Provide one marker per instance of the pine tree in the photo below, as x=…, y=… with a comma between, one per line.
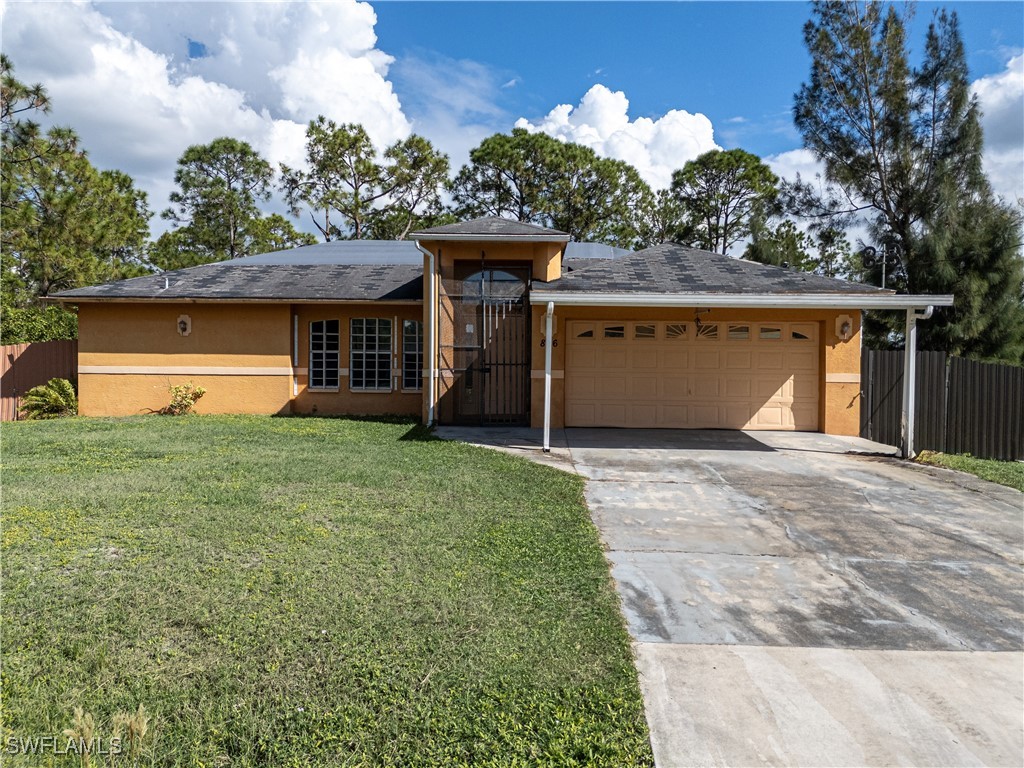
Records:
x=903, y=149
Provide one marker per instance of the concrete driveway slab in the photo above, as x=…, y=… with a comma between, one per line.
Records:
x=746, y=706
x=803, y=599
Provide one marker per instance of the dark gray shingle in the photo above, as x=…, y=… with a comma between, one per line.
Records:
x=271, y=282
x=489, y=226
x=670, y=268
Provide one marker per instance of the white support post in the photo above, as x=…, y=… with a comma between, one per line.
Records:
x=431, y=333
x=548, y=318
x=909, y=383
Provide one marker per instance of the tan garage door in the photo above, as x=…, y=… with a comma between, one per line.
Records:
x=684, y=375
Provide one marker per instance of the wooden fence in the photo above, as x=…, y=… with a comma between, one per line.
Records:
x=27, y=365
x=962, y=406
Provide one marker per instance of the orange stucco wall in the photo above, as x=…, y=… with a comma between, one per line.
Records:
x=241, y=353
x=839, y=402
x=130, y=353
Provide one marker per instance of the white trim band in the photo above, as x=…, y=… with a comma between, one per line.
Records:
x=842, y=378
x=185, y=370
x=740, y=300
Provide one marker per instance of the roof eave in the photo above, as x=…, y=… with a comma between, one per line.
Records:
x=491, y=238
x=218, y=300
x=741, y=300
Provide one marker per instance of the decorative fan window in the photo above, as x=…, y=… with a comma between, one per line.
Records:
x=584, y=332
x=676, y=331
x=768, y=332
x=615, y=331
x=644, y=332
x=739, y=332
x=707, y=332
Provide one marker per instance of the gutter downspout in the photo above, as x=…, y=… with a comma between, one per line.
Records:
x=910, y=379
x=547, y=375
x=431, y=333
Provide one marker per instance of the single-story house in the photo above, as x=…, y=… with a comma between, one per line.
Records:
x=488, y=321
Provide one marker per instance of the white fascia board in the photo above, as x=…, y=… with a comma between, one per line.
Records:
x=423, y=238
x=739, y=300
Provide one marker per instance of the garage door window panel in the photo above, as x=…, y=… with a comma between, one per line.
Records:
x=676, y=332
x=707, y=333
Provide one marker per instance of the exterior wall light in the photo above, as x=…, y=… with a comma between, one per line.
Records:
x=184, y=325
x=844, y=327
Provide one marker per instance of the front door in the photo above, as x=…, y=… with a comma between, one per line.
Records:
x=491, y=345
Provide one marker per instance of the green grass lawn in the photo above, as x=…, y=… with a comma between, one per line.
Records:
x=1009, y=473
x=302, y=591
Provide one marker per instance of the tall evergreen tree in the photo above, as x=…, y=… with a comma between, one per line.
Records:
x=719, y=193
x=535, y=178
x=353, y=193
x=216, y=208
x=902, y=149
x=65, y=223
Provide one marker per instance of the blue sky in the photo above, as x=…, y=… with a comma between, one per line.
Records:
x=729, y=60
x=654, y=84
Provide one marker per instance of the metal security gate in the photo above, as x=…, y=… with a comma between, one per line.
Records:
x=491, y=345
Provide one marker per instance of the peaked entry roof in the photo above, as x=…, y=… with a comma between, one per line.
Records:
x=492, y=228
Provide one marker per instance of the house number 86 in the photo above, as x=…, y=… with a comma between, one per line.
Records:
x=543, y=342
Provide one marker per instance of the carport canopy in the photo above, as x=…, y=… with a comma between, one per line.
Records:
x=917, y=307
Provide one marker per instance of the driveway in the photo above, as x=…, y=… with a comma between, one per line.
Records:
x=798, y=600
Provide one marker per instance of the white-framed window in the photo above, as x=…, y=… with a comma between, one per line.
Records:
x=370, y=354
x=412, y=354
x=324, y=348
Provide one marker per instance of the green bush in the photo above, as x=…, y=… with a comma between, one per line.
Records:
x=52, y=400
x=21, y=325
x=183, y=399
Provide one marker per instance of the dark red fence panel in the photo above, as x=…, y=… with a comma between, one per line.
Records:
x=28, y=365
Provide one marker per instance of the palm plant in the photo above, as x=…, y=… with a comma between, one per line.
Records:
x=52, y=400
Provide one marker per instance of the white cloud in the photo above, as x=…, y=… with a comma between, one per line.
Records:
x=1002, y=102
x=654, y=147
x=453, y=102
x=788, y=165
x=271, y=68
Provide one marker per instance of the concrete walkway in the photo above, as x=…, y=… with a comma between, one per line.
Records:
x=800, y=599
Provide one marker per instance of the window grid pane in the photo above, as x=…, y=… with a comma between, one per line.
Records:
x=324, y=351
x=370, y=354
x=412, y=354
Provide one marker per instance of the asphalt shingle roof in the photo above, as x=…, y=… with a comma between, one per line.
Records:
x=343, y=252
x=269, y=282
x=672, y=269
x=490, y=226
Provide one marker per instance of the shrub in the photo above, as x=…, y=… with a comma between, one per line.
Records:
x=21, y=325
x=183, y=399
x=52, y=400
